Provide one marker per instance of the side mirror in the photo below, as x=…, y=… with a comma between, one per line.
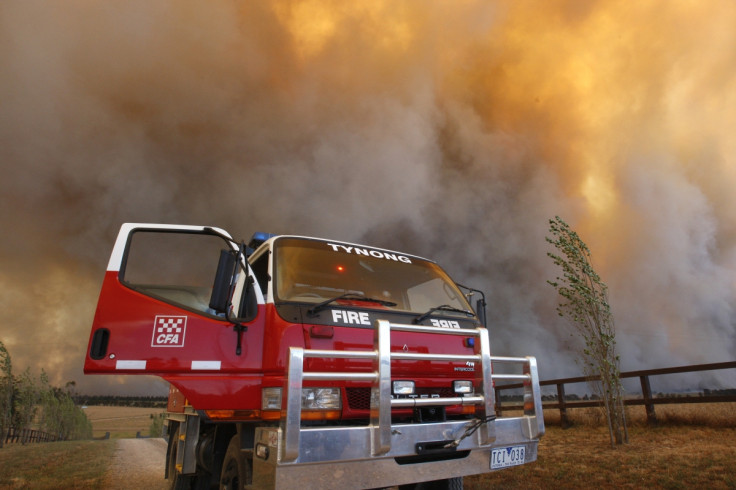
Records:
x=480, y=310
x=221, y=289
x=248, y=304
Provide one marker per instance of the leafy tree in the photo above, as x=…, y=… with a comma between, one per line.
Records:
x=586, y=306
x=157, y=424
x=25, y=400
x=27, y=403
x=51, y=416
x=6, y=392
x=60, y=415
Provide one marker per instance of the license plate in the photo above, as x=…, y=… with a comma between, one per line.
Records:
x=503, y=457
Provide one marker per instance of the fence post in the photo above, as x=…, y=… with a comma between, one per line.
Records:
x=497, y=389
x=563, y=408
x=646, y=391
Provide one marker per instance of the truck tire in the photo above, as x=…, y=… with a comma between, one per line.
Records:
x=235, y=472
x=455, y=483
x=448, y=484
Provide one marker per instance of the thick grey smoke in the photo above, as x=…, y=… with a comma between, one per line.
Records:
x=453, y=130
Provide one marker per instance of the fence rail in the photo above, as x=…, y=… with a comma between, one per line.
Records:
x=26, y=436
x=647, y=400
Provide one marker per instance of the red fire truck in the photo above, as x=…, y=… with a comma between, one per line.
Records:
x=298, y=362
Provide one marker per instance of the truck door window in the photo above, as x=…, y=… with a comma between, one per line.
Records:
x=175, y=267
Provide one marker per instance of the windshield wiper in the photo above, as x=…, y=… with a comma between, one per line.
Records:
x=354, y=296
x=424, y=316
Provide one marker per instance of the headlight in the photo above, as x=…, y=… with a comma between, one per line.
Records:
x=403, y=387
x=462, y=387
x=271, y=399
x=321, y=399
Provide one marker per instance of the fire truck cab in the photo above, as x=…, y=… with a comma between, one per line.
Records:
x=297, y=361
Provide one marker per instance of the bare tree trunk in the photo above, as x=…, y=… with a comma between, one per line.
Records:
x=606, y=403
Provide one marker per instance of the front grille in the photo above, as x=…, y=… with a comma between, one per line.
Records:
x=360, y=398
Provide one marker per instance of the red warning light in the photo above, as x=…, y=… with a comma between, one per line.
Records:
x=340, y=268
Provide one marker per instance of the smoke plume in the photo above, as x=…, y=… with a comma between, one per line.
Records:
x=453, y=130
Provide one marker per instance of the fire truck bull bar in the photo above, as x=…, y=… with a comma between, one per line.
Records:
x=380, y=453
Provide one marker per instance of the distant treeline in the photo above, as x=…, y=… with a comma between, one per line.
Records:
x=728, y=392
x=121, y=401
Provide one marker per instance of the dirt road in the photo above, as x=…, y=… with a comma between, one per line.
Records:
x=138, y=463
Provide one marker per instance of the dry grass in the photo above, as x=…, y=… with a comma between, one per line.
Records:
x=663, y=457
x=52, y=465
x=702, y=414
x=120, y=422
x=73, y=464
x=717, y=415
x=693, y=446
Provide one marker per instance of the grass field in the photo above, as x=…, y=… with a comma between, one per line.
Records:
x=54, y=465
x=120, y=422
x=718, y=415
x=694, y=446
x=662, y=457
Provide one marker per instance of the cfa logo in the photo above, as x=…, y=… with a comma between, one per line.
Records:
x=168, y=331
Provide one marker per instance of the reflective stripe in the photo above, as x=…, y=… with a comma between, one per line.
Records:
x=120, y=364
x=206, y=365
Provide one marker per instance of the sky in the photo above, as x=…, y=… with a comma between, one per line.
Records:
x=449, y=129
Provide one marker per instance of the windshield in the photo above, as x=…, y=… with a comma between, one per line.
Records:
x=312, y=271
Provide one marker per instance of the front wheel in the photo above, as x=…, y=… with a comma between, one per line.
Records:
x=235, y=472
x=448, y=484
x=177, y=481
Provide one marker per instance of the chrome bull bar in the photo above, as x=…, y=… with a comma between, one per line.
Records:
x=380, y=428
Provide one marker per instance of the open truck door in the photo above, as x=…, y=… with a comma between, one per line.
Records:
x=179, y=302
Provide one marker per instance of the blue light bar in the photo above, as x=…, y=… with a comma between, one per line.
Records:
x=258, y=238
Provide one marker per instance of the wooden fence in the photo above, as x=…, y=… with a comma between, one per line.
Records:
x=647, y=400
x=26, y=436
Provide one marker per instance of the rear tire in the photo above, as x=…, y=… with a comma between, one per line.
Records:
x=235, y=472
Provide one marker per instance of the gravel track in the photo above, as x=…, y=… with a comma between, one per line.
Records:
x=138, y=463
